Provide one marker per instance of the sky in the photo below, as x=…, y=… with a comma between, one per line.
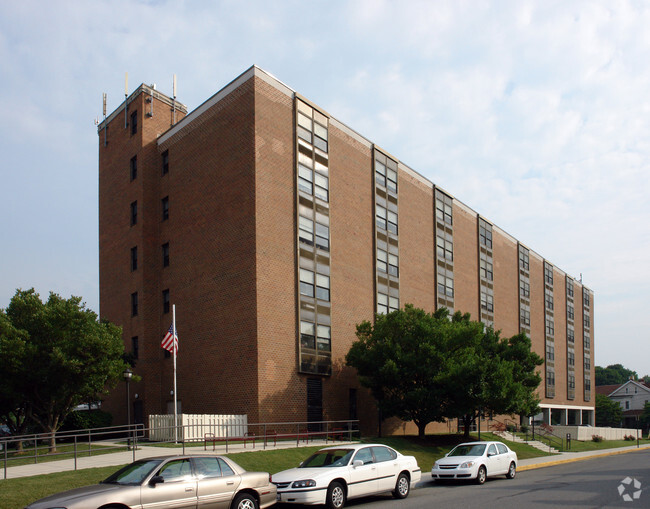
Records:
x=536, y=114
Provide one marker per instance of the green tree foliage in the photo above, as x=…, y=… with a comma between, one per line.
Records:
x=608, y=412
x=614, y=374
x=486, y=373
x=426, y=367
x=61, y=356
x=400, y=359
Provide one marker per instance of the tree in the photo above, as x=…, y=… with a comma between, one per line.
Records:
x=13, y=404
x=425, y=367
x=400, y=359
x=486, y=373
x=608, y=412
x=614, y=374
x=69, y=356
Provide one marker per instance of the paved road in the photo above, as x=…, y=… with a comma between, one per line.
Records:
x=582, y=484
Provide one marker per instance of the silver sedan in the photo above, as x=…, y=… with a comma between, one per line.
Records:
x=209, y=482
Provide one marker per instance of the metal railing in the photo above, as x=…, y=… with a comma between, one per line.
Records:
x=84, y=443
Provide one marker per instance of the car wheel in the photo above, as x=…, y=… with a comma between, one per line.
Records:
x=512, y=471
x=482, y=475
x=244, y=501
x=335, y=496
x=402, y=486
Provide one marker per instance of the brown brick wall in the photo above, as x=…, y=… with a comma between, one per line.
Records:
x=466, y=296
x=416, y=243
x=505, y=261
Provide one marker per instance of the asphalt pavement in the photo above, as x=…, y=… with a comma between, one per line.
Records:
x=146, y=451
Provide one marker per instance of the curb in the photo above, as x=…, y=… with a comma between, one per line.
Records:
x=522, y=468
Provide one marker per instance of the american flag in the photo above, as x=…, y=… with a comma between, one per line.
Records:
x=170, y=341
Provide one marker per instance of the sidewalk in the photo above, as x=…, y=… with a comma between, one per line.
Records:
x=570, y=457
x=143, y=451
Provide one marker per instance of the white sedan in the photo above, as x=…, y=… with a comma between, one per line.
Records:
x=476, y=460
x=335, y=474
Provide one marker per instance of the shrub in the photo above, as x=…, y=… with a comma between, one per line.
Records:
x=524, y=428
x=84, y=419
x=511, y=428
x=629, y=438
x=596, y=438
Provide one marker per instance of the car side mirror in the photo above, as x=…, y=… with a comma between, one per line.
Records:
x=300, y=464
x=156, y=479
x=357, y=463
x=490, y=454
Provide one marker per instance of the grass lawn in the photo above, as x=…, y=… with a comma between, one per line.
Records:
x=16, y=493
x=63, y=451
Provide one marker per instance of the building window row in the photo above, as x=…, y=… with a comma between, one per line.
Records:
x=385, y=176
x=386, y=219
x=313, y=236
x=444, y=246
x=485, y=267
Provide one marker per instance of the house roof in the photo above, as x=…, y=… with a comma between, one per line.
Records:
x=606, y=389
x=637, y=385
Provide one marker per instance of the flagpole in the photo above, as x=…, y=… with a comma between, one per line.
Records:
x=175, y=341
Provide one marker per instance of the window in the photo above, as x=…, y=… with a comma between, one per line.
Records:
x=134, y=167
x=524, y=289
x=391, y=180
x=445, y=248
x=485, y=234
x=165, y=162
x=165, y=208
x=386, y=304
x=445, y=284
x=627, y=405
x=380, y=213
x=382, y=260
x=383, y=454
x=321, y=186
x=572, y=382
x=587, y=300
x=548, y=274
x=550, y=352
x=322, y=287
x=134, y=258
x=305, y=179
x=176, y=470
x=550, y=327
x=320, y=137
x=570, y=334
x=392, y=222
x=225, y=468
x=324, y=338
x=587, y=384
x=306, y=283
x=571, y=359
x=393, y=265
x=569, y=288
x=485, y=268
x=322, y=237
x=524, y=261
x=305, y=230
x=587, y=321
x=165, y=254
x=134, y=213
x=569, y=311
x=134, y=122
x=525, y=317
x=550, y=377
x=134, y=304
x=444, y=211
x=487, y=302
x=307, y=335
x=135, y=347
x=548, y=299
x=380, y=173
x=587, y=342
x=165, y=299
x=588, y=364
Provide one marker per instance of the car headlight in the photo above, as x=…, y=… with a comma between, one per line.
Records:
x=435, y=465
x=467, y=464
x=307, y=483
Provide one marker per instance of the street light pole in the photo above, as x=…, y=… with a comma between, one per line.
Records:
x=128, y=374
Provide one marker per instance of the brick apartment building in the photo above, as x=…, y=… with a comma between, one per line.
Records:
x=274, y=228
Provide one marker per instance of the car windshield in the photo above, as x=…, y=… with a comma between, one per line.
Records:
x=328, y=458
x=468, y=450
x=134, y=473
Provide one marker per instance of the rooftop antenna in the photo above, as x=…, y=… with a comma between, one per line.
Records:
x=174, y=100
x=126, y=96
x=581, y=278
x=104, y=111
